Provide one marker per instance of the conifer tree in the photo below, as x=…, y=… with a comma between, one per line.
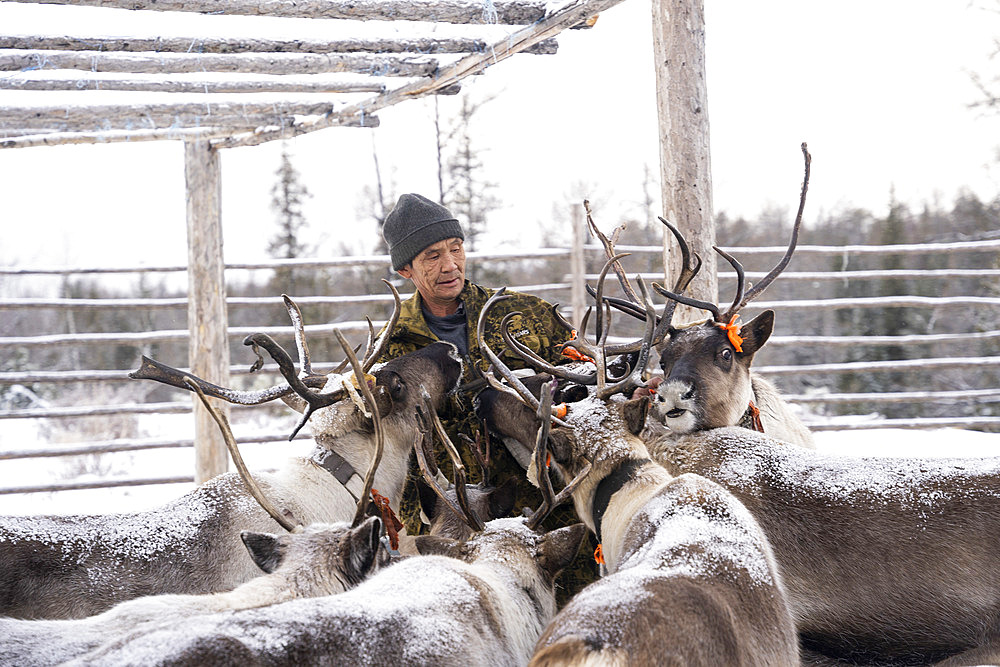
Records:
x=287, y=197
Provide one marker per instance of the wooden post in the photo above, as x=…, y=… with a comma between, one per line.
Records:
x=208, y=349
x=578, y=265
x=685, y=165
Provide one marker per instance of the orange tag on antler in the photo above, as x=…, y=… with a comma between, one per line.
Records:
x=560, y=411
x=392, y=524
x=599, y=554
x=576, y=355
x=733, y=331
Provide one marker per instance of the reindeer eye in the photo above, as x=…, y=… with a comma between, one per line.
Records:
x=726, y=354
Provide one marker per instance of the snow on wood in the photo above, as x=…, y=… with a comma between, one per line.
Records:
x=170, y=336
x=571, y=13
x=876, y=302
x=854, y=341
x=160, y=115
x=918, y=422
x=516, y=12
x=377, y=261
x=286, y=84
x=49, y=138
x=876, y=274
x=401, y=44
x=16, y=60
x=974, y=395
x=131, y=445
x=897, y=249
x=895, y=365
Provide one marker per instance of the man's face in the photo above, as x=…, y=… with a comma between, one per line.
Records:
x=438, y=273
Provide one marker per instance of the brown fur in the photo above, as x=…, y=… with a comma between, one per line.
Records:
x=691, y=578
x=708, y=384
x=484, y=606
x=76, y=566
x=885, y=561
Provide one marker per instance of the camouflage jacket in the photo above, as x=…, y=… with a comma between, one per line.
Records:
x=538, y=329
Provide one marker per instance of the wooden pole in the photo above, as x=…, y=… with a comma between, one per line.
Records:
x=578, y=265
x=685, y=165
x=208, y=350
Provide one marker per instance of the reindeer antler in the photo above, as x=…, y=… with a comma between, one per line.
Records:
x=150, y=369
x=743, y=297
x=428, y=417
x=292, y=526
x=366, y=392
x=550, y=500
x=690, y=265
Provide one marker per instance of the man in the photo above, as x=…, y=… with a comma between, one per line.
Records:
x=426, y=245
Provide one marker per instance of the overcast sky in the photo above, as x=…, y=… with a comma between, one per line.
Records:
x=880, y=91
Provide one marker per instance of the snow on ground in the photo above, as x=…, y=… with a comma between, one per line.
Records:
x=17, y=434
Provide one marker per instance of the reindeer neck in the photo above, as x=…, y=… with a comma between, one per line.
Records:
x=626, y=491
x=347, y=458
x=620, y=475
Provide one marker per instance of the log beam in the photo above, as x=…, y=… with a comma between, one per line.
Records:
x=173, y=133
x=223, y=45
x=285, y=84
x=685, y=167
x=208, y=350
x=570, y=14
x=507, y=12
x=17, y=60
x=158, y=116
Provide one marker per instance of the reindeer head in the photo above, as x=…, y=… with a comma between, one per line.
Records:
x=436, y=369
x=706, y=368
x=706, y=374
x=322, y=559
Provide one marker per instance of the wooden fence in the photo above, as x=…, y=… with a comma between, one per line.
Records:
x=30, y=390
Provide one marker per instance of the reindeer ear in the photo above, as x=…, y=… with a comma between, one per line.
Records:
x=435, y=545
x=502, y=499
x=634, y=413
x=756, y=332
x=559, y=548
x=428, y=499
x=266, y=550
x=362, y=548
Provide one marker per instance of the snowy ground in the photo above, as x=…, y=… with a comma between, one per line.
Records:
x=16, y=434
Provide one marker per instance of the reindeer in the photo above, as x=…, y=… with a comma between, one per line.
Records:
x=322, y=559
x=76, y=566
x=692, y=578
x=885, y=561
x=483, y=601
x=707, y=378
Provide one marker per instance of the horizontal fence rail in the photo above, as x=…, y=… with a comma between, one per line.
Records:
x=984, y=306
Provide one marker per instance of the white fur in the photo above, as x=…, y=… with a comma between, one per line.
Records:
x=423, y=610
x=309, y=569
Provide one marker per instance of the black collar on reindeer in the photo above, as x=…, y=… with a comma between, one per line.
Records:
x=610, y=485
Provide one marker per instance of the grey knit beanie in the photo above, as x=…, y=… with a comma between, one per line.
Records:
x=414, y=223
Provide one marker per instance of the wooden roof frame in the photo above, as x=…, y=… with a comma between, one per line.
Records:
x=394, y=69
